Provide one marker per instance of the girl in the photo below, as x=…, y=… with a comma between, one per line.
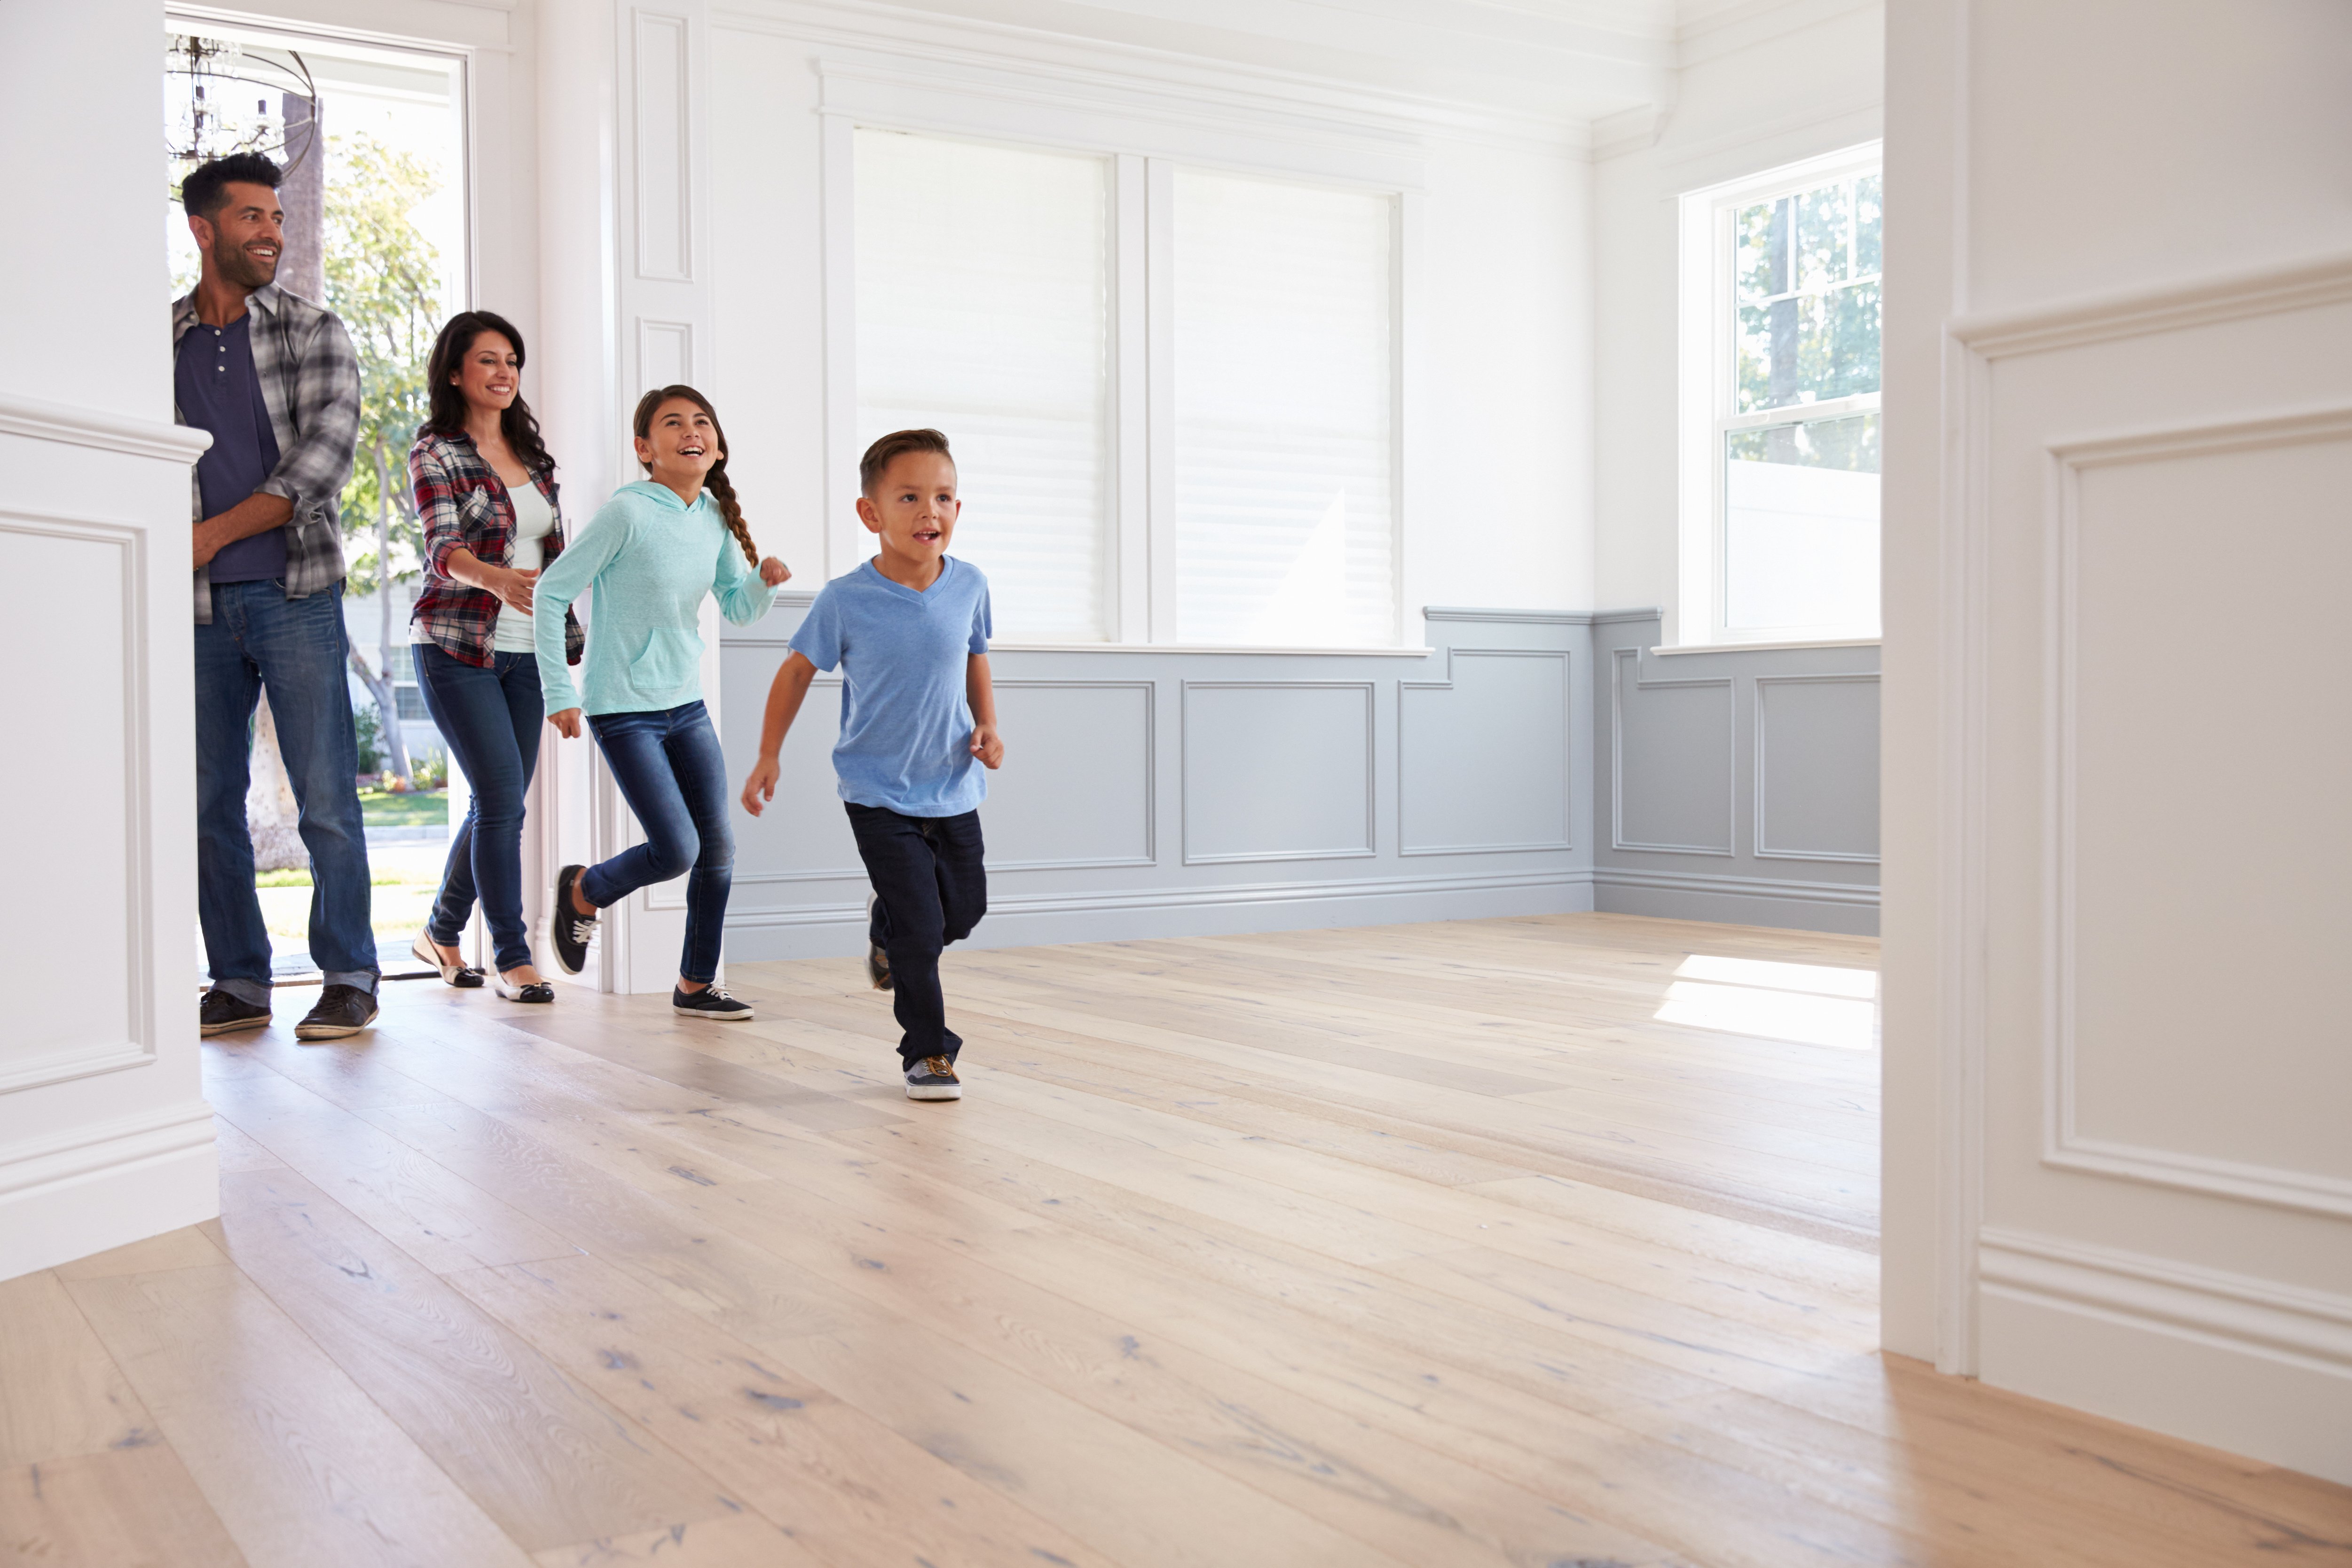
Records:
x=650, y=555
x=486, y=495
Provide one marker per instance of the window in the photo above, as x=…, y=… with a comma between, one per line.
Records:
x=983, y=309
x=1781, y=438
x=1172, y=390
x=1283, y=456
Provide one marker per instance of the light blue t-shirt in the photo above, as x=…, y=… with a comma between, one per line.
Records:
x=905, y=728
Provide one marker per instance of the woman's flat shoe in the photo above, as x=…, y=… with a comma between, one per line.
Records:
x=462, y=976
x=537, y=991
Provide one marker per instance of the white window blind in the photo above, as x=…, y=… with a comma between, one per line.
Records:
x=1285, y=377
x=983, y=311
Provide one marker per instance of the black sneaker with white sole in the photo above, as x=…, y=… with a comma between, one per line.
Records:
x=221, y=1013
x=711, y=1003
x=342, y=1010
x=877, y=962
x=933, y=1078
x=568, y=930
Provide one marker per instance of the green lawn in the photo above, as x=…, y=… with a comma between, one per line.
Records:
x=379, y=809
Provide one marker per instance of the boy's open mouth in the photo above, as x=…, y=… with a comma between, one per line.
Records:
x=926, y=535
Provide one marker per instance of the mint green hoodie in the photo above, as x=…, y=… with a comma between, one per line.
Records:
x=650, y=559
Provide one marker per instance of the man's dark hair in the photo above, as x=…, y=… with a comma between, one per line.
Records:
x=205, y=190
x=897, y=444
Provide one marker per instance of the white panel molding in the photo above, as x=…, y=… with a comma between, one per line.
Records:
x=660, y=101
x=1065, y=72
x=1761, y=850
x=666, y=344
x=1566, y=840
x=70, y=424
x=837, y=205
x=1856, y=895
x=1617, y=840
x=1150, y=802
x=1456, y=613
x=1371, y=846
x=105, y=1147
x=138, y=945
x=2299, y=285
x=1229, y=895
x=2238, y=1313
x=2062, y=1146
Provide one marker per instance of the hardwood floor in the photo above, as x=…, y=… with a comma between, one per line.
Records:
x=1428, y=1245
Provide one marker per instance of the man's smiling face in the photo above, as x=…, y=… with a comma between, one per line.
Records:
x=914, y=506
x=245, y=236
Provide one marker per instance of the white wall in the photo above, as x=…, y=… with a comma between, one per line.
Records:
x=1498, y=503
x=2117, y=397
x=104, y=1137
x=1745, y=102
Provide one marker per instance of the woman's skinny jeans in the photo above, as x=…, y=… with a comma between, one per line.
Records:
x=670, y=771
x=491, y=718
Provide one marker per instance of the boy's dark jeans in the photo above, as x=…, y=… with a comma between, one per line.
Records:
x=931, y=890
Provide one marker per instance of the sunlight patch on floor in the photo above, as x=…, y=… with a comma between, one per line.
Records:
x=1810, y=1003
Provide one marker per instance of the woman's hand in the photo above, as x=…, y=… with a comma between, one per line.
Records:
x=987, y=746
x=775, y=573
x=567, y=723
x=513, y=588
x=760, y=788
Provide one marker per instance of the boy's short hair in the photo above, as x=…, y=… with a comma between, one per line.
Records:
x=205, y=190
x=897, y=444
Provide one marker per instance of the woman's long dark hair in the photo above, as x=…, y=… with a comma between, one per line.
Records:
x=445, y=413
x=716, y=480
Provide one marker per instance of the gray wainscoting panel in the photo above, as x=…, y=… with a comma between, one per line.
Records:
x=1817, y=768
x=1082, y=793
x=1485, y=759
x=1674, y=750
x=1771, y=751
x=803, y=835
x=1277, y=770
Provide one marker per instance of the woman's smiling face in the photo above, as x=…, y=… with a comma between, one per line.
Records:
x=490, y=371
x=681, y=445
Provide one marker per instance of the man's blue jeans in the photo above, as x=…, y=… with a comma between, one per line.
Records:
x=670, y=771
x=293, y=648
x=491, y=718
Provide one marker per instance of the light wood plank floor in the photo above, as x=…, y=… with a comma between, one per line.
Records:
x=1429, y=1245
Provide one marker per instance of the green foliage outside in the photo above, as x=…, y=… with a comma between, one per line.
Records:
x=370, y=725
x=410, y=808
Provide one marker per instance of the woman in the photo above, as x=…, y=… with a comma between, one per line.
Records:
x=486, y=495
x=657, y=548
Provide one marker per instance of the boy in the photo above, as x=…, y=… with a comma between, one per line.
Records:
x=910, y=630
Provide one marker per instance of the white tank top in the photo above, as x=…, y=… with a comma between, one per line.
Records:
x=534, y=520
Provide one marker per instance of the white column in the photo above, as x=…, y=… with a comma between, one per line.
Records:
x=104, y=1134
x=625, y=287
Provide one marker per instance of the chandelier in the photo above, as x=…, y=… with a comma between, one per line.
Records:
x=222, y=97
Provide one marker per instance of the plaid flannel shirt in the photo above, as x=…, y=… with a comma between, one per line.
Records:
x=463, y=505
x=310, y=382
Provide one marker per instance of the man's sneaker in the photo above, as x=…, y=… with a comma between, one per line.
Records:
x=221, y=1013
x=711, y=1003
x=933, y=1078
x=568, y=930
x=877, y=962
x=342, y=1010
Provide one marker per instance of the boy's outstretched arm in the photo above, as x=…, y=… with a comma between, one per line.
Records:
x=981, y=693
x=785, y=698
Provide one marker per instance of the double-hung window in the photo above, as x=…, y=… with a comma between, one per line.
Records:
x=1171, y=389
x=1781, y=420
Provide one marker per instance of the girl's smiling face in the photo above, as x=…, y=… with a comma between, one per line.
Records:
x=681, y=446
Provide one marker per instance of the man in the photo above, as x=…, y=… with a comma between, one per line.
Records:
x=273, y=377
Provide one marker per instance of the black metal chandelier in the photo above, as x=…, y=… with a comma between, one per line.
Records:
x=222, y=97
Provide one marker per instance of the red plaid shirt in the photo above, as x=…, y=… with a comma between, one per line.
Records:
x=462, y=504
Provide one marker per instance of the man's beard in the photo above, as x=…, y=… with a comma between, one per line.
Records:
x=240, y=267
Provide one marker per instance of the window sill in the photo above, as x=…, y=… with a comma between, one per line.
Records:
x=1260, y=651
x=1768, y=647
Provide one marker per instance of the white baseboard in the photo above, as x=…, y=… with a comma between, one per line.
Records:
x=96, y=1187
x=1841, y=908
x=832, y=931
x=2237, y=1363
